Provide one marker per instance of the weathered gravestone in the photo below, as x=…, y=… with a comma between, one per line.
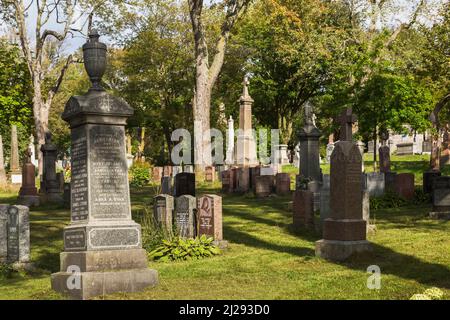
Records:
x=28, y=192
x=209, y=211
x=102, y=244
x=324, y=200
x=166, y=185
x=185, y=216
x=441, y=198
x=263, y=186
x=226, y=181
x=389, y=181
x=404, y=185
x=157, y=173
x=184, y=184
x=167, y=171
x=344, y=233
x=406, y=148
x=309, y=146
x=374, y=183
x=243, y=179
x=283, y=183
x=14, y=235
x=50, y=186
x=210, y=174
x=163, y=211
x=254, y=172
x=303, y=209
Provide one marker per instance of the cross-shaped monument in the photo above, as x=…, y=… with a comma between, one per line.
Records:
x=347, y=119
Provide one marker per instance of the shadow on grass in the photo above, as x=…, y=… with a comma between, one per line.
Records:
x=244, y=238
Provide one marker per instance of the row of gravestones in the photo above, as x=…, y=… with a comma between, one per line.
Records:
x=261, y=180
x=14, y=235
x=157, y=173
x=192, y=217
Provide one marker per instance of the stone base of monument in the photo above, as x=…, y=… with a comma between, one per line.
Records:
x=336, y=250
x=88, y=274
x=29, y=201
x=440, y=215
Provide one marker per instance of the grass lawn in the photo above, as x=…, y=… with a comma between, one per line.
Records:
x=266, y=258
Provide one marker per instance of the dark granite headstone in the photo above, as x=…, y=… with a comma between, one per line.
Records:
x=166, y=185
x=385, y=159
x=185, y=184
x=185, y=216
x=428, y=178
x=441, y=198
x=226, y=183
x=389, y=181
x=309, y=146
x=14, y=234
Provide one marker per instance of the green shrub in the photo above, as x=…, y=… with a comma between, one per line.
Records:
x=153, y=234
x=6, y=271
x=392, y=200
x=179, y=249
x=139, y=174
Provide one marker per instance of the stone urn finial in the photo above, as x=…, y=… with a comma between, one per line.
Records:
x=94, y=54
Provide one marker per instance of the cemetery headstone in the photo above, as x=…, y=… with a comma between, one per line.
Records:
x=406, y=148
x=163, y=211
x=15, y=235
x=166, y=185
x=426, y=146
x=324, y=200
x=366, y=212
x=234, y=178
x=385, y=153
x=157, y=173
x=185, y=184
x=3, y=179
x=374, y=183
x=28, y=195
x=209, y=210
x=441, y=198
x=50, y=188
x=315, y=187
x=309, y=146
x=404, y=185
x=226, y=181
x=389, y=181
x=263, y=186
x=428, y=178
x=303, y=209
x=254, y=172
x=243, y=179
x=344, y=233
x=167, y=171
x=185, y=216
x=102, y=244
x=282, y=183
x=210, y=174
x=66, y=195
x=16, y=174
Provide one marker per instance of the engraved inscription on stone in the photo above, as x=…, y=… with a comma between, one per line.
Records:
x=206, y=217
x=13, y=234
x=79, y=183
x=108, y=173
x=75, y=239
x=114, y=237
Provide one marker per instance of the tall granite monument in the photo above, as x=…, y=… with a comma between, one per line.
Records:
x=50, y=186
x=309, y=147
x=344, y=233
x=102, y=245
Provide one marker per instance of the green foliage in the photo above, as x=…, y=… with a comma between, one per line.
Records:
x=153, y=234
x=15, y=97
x=179, y=249
x=392, y=200
x=6, y=271
x=139, y=174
